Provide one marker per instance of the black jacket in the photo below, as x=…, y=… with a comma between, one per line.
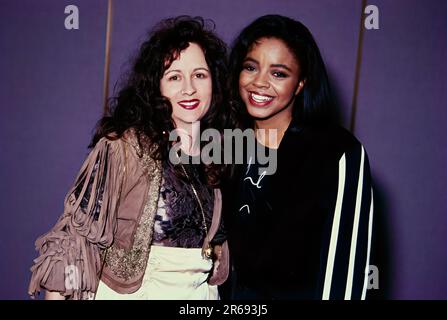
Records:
x=305, y=231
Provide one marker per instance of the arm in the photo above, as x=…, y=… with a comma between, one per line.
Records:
x=69, y=254
x=346, y=246
x=221, y=251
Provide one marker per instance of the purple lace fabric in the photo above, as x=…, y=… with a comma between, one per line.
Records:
x=179, y=221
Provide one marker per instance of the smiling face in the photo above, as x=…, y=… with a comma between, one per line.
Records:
x=187, y=83
x=269, y=81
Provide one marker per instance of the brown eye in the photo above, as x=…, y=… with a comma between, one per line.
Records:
x=201, y=76
x=279, y=74
x=249, y=67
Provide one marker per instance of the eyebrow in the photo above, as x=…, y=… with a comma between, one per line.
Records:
x=195, y=70
x=276, y=65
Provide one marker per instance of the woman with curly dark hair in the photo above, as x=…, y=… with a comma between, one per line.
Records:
x=303, y=231
x=135, y=225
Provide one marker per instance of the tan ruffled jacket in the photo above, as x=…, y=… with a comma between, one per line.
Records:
x=107, y=225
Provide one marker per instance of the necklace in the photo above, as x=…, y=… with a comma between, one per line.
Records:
x=207, y=250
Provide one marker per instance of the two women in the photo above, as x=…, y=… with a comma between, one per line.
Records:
x=303, y=231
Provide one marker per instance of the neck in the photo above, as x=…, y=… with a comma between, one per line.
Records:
x=269, y=132
x=189, y=134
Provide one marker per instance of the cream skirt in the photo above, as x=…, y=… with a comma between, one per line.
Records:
x=171, y=274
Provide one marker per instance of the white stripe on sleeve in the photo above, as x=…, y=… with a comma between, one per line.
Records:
x=355, y=229
x=335, y=228
x=365, y=285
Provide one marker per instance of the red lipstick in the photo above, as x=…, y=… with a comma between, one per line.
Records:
x=259, y=100
x=189, y=104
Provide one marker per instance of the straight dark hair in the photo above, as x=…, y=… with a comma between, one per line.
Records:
x=314, y=105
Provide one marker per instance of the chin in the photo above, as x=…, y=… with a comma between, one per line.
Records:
x=191, y=118
x=259, y=113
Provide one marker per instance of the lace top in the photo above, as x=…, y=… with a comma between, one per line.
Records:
x=179, y=220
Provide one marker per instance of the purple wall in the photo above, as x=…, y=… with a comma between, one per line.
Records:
x=334, y=26
x=51, y=93
x=402, y=121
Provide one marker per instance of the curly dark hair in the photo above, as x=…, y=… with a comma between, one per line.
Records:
x=314, y=105
x=140, y=105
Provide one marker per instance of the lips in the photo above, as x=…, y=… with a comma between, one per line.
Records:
x=259, y=100
x=189, y=104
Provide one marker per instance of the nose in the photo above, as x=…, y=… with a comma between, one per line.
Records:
x=261, y=80
x=188, y=88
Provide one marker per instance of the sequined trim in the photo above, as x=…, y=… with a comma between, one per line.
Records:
x=130, y=264
x=145, y=159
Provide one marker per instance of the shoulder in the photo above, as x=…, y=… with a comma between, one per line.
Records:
x=115, y=146
x=110, y=144
x=331, y=141
x=115, y=142
x=343, y=146
x=334, y=139
x=342, y=138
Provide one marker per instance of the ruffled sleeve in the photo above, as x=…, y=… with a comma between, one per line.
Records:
x=69, y=254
